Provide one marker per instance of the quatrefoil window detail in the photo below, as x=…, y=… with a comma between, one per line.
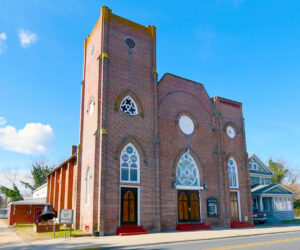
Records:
x=128, y=106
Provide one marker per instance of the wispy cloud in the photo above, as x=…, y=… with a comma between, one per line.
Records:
x=2, y=121
x=3, y=46
x=27, y=38
x=34, y=138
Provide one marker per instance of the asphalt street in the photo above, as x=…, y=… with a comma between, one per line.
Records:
x=282, y=241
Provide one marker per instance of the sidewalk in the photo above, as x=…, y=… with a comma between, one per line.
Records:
x=148, y=239
x=8, y=238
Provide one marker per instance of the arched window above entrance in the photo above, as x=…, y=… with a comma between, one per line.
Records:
x=233, y=173
x=187, y=174
x=130, y=164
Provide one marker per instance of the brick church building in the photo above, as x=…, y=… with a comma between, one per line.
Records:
x=154, y=153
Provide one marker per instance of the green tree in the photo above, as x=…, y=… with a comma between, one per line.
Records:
x=14, y=193
x=279, y=170
x=39, y=172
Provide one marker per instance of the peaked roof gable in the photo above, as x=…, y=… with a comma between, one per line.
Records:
x=271, y=189
x=262, y=168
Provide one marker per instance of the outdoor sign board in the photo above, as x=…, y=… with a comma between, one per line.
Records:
x=66, y=216
x=212, y=207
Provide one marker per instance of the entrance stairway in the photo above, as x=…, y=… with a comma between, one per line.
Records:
x=192, y=226
x=240, y=224
x=126, y=230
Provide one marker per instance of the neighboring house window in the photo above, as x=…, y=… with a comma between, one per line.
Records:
x=88, y=186
x=187, y=172
x=262, y=181
x=129, y=164
x=283, y=204
x=254, y=166
x=233, y=173
x=128, y=106
x=290, y=204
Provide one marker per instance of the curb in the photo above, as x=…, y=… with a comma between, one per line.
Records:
x=170, y=242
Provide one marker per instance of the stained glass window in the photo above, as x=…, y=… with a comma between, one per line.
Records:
x=233, y=173
x=128, y=106
x=187, y=172
x=129, y=164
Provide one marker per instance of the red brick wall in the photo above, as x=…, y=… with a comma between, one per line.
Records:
x=230, y=113
x=88, y=129
x=22, y=214
x=111, y=69
x=61, y=183
x=123, y=70
x=178, y=96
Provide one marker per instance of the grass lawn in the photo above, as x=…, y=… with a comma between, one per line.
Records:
x=296, y=221
x=27, y=233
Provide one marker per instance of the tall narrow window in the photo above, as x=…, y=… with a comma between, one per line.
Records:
x=88, y=186
x=187, y=172
x=233, y=173
x=130, y=164
x=128, y=106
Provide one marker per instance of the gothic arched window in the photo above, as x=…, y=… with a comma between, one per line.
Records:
x=128, y=106
x=130, y=164
x=233, y=173
x=187, y=172
x=88, y=186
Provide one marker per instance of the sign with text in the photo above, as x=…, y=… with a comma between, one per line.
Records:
x=66, y=216
x=212, y=207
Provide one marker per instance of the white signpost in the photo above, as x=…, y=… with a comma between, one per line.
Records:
x=66, y=217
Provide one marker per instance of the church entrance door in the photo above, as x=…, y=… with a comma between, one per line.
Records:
x=129, y=201
x=188, y=206
x=234, y=206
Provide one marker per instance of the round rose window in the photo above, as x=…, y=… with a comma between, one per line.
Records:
x=186, y=125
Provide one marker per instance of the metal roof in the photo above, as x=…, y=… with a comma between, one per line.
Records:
x=39, y=201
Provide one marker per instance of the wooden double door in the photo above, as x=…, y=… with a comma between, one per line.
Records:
x=234, y=206
x=129, y=201
x=188, y=206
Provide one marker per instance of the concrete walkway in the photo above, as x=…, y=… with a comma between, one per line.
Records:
x=9, y=240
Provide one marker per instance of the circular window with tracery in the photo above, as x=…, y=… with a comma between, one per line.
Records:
x=130, y=43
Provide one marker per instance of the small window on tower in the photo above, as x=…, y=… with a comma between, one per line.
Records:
x=128, y=106
x=91, y=106
x=130, y=43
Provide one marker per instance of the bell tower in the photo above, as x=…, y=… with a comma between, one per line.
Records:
x=118, y=108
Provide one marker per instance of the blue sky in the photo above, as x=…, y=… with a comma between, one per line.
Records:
x=243, y=50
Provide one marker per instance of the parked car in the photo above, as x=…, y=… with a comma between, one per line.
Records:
x=3, y=213
x=259, y=217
